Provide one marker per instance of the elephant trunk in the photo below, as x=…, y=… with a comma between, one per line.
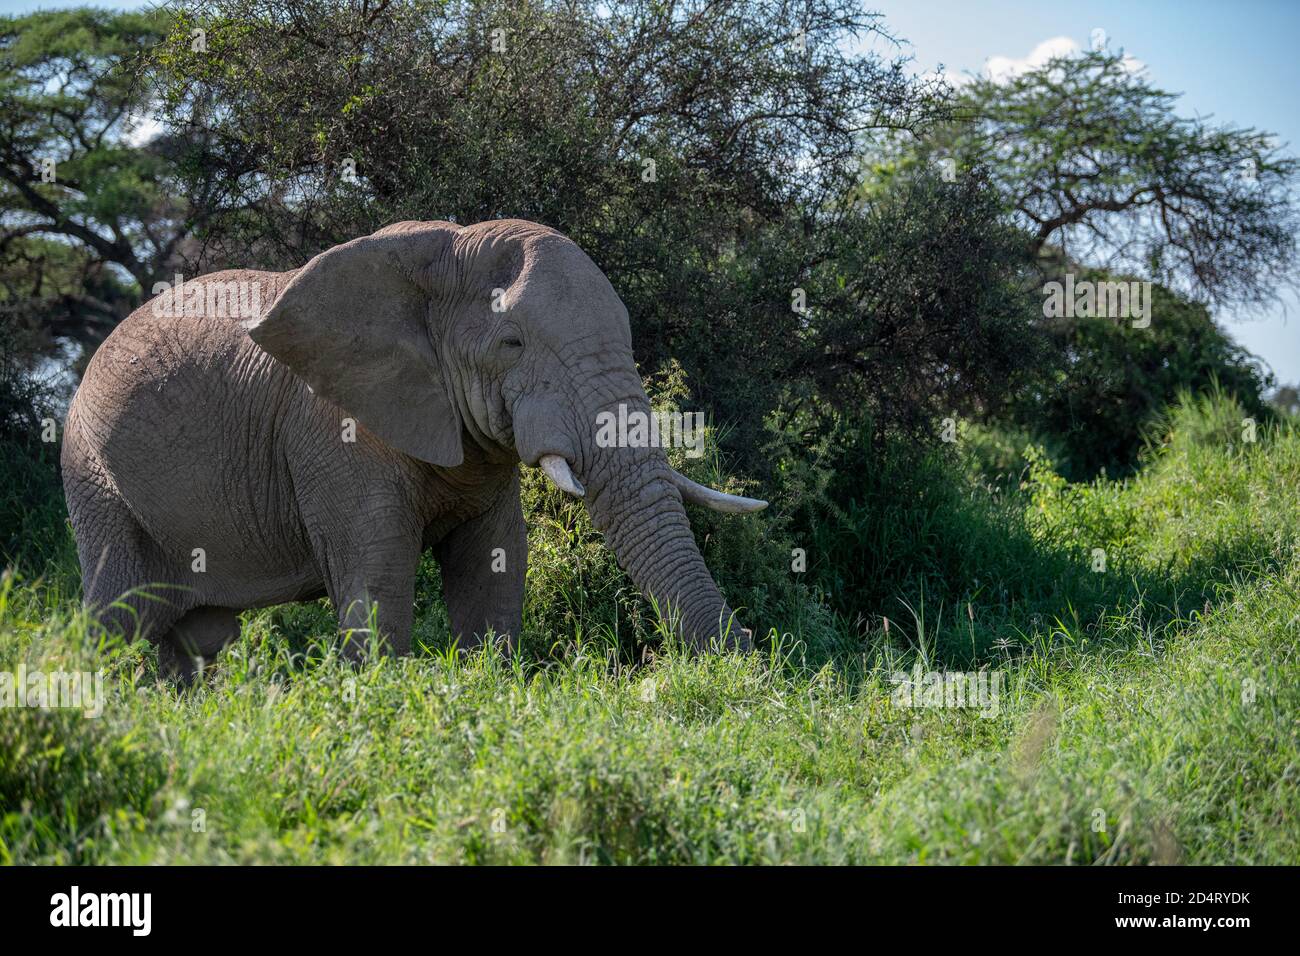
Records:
x=635, y=502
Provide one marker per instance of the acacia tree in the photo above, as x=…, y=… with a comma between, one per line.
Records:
x=89, y=218
x=1105, y=180
x=1098, y=167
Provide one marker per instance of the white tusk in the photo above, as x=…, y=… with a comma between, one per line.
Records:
x=698, y=494
x=558, y=470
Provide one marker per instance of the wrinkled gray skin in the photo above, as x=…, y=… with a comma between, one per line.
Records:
x=227, y=435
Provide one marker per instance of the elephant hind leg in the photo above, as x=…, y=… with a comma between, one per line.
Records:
x=193, y=642
x=124, y=582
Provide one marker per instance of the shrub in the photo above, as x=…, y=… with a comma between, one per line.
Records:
x=33, y=521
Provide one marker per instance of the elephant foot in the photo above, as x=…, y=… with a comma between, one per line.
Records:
x=192, y=644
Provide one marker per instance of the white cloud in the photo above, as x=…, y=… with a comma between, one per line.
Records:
x=1000, y=69
x=1003, y=68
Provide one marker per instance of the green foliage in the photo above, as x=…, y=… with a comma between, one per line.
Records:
x=1286, y=400
x=1203, y=451
x=100, y=774
x=574, y=583
x=919, y=309
x=33, y=521
x=1115, y=380
x=1079, y=516
x=994, y=453
x=84, y=239
x=904, y=529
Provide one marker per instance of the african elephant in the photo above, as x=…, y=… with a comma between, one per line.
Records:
x=370, y=405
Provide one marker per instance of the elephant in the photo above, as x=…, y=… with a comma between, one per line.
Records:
x=341, y=419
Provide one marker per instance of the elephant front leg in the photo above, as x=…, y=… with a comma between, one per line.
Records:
x=375, y=597
x=483, y=565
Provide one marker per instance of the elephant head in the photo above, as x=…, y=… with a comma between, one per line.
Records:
x=504, y=334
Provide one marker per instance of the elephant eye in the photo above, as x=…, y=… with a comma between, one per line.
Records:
x=511, y=342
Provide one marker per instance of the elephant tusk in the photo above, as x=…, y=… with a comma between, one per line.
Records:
x=698, y=494
x=558, y=470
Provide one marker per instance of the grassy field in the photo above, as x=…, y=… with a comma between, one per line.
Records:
x=1149, y=711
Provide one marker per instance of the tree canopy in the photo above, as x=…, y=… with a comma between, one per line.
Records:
x=1094, y=160
x=88, y=217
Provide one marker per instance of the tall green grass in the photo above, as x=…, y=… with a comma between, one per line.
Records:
x=1148, y=711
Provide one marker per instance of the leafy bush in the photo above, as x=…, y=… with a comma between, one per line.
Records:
x=33, y=520
x=994, y=452
x=1114, y=381
x=1159, y=519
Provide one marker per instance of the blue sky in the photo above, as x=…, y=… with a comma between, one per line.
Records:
x=1236, y=62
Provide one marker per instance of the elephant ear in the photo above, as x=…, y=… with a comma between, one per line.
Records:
x=353, y=324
